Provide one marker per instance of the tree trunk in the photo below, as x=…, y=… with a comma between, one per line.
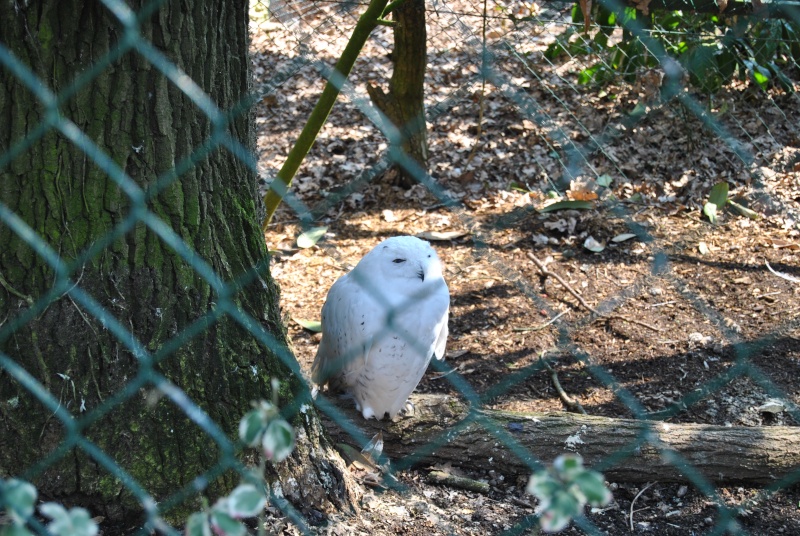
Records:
x=151, y=129
x=722, y=454
x=404, y=105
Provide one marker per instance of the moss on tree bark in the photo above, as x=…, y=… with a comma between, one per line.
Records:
x=147, y=126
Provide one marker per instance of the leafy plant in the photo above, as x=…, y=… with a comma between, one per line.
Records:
x=19, y=498
x=713, y=49
x=564, y=489
x=261, y=427
x=224, y=518
x=717, y=198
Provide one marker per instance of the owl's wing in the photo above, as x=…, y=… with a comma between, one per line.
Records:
x=348, y=326
x=441, y=339
x=441, y=310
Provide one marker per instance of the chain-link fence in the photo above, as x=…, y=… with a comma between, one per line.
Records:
x=582, y=103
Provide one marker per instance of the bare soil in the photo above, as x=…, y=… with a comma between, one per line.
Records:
x=722, y=343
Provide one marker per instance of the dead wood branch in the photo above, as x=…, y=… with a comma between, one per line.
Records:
x=547, y=273
x=570, y=403
x=736, y=454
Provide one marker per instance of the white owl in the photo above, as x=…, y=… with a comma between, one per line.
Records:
x=382, y=323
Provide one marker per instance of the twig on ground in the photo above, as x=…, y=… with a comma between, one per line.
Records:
x=571, y=404
x=649, y=484
x=453, y=481
x=547, y=273
x=537, y=328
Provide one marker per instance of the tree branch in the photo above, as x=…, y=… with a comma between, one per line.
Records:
x=723, y=454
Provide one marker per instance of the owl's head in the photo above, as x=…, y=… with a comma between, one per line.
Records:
x=403, y=258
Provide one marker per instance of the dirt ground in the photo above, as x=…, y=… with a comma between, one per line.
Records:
x=704, y=291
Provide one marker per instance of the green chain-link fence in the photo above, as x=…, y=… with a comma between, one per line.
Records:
x=498, y=40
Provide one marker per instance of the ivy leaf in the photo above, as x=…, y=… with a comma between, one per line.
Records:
x=19, y=496
x=225, y=525
x=278, y=440
x=562, y=508
x=593, y=487
x=198, y=525
x=251, y=427
x=246, y=501
x=75, y=522
x=15, y=530
x=542, y=486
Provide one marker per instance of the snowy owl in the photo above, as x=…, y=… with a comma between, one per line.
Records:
x=381, y=324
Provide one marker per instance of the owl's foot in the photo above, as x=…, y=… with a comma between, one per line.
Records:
x=407, y=411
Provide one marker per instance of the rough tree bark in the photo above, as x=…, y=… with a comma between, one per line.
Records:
x=404, y=103
x=147, y=125
x=759, y=455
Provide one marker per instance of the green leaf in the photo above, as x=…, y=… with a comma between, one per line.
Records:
x=225, y=525
x=75, y=522
x=278, y=442
x=310, y=325
x=719, y=194
x=559, y=512
x=761, y=76
x=593, y=487
x=251, y=427
x=710, y=210
x=744, y=211
x=57, y=513
x=198, y=525
x=568, y=465
x=15, y=530
x=311, y=237
x=246, y=501
x=716, y=199
x=567, y=205
x=542, y=485
x=604, y=180
x=20, y=497
x=588, y=75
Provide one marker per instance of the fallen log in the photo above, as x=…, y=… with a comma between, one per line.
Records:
x=442, y=429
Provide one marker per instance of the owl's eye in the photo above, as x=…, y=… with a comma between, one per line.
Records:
x=398, y=261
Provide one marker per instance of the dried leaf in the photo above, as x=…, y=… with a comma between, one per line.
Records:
x=593, y=245
x=777, y=243
x=311, y=237
x=623, y=237
x=582, y=195
x=441, y=236
x=642, y=5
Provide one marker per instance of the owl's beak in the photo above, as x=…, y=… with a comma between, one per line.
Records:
x=421, y=275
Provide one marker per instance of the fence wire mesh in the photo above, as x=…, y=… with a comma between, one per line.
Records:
x=579, y=109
